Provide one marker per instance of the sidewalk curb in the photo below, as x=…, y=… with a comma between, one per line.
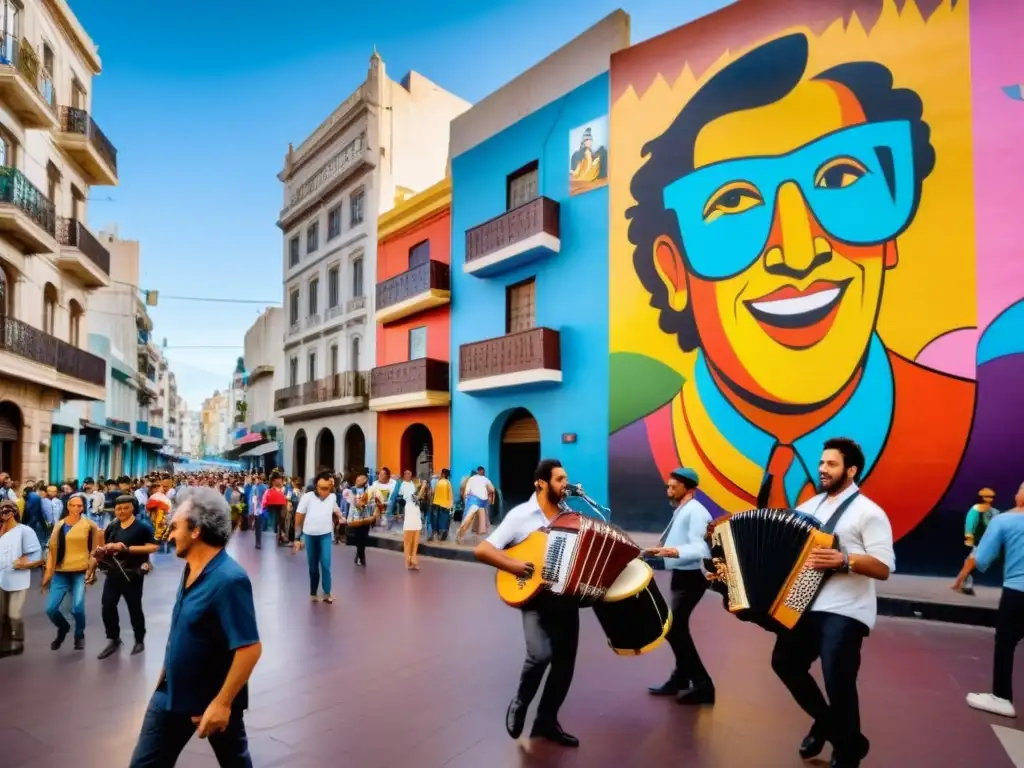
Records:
x=899, y=607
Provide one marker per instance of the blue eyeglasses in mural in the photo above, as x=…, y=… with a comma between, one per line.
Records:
x=858, y=182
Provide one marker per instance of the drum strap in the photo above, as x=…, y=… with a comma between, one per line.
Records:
x=833, y=521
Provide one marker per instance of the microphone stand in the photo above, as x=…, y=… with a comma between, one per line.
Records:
x=594, y=506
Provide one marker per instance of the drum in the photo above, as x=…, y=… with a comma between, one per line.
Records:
x=633, y=614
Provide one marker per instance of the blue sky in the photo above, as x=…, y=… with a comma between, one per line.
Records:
x=202, y=98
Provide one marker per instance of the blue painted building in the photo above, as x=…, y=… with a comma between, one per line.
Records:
x=529, y=312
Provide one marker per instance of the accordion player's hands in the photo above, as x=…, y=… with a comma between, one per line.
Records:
x=826, y=559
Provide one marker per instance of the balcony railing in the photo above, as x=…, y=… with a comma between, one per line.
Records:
x=355, y=304
x=18, y=191
x=157, y=432
x=142, y=427
x=432, y=275
x=22, y=56
x=539, y=216
x=75, y=120
x=124, y=426
x=532, y=350
x=73, y=234
x=33, y=344
x=423, y=375
x=340, y=386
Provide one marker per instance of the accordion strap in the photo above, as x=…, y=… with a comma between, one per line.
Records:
x=830, y=526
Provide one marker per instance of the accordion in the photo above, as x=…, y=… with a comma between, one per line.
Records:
x=758, y=563
x=575, y=557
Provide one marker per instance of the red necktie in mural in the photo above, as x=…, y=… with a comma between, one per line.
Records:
x=778, y=465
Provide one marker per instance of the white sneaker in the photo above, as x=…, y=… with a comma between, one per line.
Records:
x=986, y=702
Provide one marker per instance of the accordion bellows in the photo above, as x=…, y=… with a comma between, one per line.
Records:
x=759, y=559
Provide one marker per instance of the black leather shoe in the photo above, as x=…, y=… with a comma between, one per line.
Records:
x=58, y=641
x=697, y=696
x=515, y=718
x=79, y=643
x=812, y=745
x=112, y=647
x=553, y=732
x=850, y=758
x=138, y=648
x=671, y=688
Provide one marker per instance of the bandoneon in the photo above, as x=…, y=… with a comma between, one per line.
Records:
x=758, y=561
x=585, y=556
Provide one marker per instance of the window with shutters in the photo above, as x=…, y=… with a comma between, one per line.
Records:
x=357, y=277
x=313, y=237
x=333, y=278
x=334, y=222
x=314, y=296
x=522, y=185
x=520, y=306
x=419, y=254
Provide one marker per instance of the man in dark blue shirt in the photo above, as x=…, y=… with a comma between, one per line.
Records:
x=213, y=644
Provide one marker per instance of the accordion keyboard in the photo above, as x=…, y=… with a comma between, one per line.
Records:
x=558, y=561
x=804, y=589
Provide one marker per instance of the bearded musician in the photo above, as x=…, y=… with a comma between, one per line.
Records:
x=551, y=624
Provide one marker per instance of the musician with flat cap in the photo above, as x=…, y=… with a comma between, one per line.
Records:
x=683, y=548
x=844, y=611
x=551, y=624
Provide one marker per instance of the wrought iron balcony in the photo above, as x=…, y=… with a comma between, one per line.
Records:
x=415, y=290
x=26, y=87
x=418, y=383
x=27, y=216
x=516, y=359
x=24, y=340
x=343, y=389
x=88, y=146
x=82, y=254
x=513, y=238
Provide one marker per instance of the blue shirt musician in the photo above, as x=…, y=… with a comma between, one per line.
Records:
x=844, y=611
x=684, y=548
x=551, y=624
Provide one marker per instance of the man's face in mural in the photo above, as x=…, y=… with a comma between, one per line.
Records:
x=768, y=217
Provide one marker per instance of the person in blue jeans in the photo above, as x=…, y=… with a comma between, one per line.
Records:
x=212, y=648
x=69, y=567
x=315, y=519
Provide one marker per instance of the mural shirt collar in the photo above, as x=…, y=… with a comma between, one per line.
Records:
x=866, y=417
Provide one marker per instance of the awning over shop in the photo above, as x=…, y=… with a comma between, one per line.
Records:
x=261, y=450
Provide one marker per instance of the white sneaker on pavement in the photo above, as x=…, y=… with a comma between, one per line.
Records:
x=987, y=702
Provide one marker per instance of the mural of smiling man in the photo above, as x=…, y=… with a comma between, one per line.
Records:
x=765, y=224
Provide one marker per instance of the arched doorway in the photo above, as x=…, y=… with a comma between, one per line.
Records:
x=355, y=449
x=10, y=439
x=299, y=455
x=325, y=450
x=417, y=450
x=518, y=457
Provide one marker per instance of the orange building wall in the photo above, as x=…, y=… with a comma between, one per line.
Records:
x=393, y=253
x=391, y=426
x=393, y=339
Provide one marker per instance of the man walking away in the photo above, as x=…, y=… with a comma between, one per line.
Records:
x=212, y=648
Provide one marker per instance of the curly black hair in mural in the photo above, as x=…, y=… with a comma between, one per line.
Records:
x=759, y=78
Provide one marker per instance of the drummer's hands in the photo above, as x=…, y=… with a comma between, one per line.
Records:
x=825, y=559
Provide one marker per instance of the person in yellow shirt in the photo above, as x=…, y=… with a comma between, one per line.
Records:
x=69, y=568
x=441, y=509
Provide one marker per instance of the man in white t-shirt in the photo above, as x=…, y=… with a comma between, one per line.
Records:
x=19, y=554
x=844, y=611
x=315, y=519
x=551, y=624
x=479, y=495
x=382, y=491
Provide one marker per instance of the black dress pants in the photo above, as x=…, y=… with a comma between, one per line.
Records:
x=116, y=586
x=1009, y=632
x=688, y=587
x=836, y=640
x=551, y=626
x=360, y=535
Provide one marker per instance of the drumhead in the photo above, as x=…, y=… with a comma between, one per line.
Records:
x=633, y=580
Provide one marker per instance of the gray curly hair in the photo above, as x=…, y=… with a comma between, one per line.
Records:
x=208, y=511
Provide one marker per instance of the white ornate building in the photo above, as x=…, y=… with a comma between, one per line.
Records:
x=387, y=139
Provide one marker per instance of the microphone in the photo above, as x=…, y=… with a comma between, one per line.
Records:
x=574, y=489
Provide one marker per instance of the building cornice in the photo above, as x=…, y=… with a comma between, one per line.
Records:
x=418, y=207
x=76, y=34
x=350, y=110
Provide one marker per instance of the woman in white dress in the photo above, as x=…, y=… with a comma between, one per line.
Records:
x=413, y=520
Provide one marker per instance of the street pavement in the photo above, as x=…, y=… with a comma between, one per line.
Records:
x=415, y=670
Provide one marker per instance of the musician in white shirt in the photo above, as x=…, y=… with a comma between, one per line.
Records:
x=844, y=611
x=551, y=624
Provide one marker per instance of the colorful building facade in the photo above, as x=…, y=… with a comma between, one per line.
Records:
x=409, y=384
x=813, y=233
x=529, y=321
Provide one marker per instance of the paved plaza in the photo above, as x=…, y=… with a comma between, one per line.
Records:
x=415, y=670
